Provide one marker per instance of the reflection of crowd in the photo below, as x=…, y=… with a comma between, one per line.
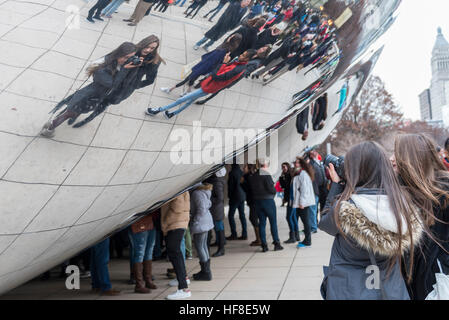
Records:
x=318, y=111
x=300, y=37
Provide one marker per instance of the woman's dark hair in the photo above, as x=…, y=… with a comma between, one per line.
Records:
x=257, y=22
x=367, y=166
x=287, y=165
x=110, y=60
x=155, y=57
x=446, y=145
x=307, y=167
x=231, y=43
x=265, y=54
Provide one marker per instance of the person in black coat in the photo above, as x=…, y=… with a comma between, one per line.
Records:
x=285, y=180
x=319, y=114
x=302, y=123
x=249, y=170
x=237, y=198
x=229, y=20
x=218, y=182
x=263, y=192
x=107, y=77
x=249, y=36
x=268, y=36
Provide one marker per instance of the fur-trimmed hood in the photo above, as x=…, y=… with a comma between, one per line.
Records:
x=370, y=221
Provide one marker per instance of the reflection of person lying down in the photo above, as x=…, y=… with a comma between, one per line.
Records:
x=302, y=123
x=226, y=74
x=319, y=113
x=115, y=78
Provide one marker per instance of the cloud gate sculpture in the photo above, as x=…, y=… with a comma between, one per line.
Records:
x=83, y=156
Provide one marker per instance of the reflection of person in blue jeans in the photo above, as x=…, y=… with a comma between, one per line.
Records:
x=112, y=7
x=180, y=1
x=226, y=74
x=216, y=10
x=343, y=97
x=99, y=269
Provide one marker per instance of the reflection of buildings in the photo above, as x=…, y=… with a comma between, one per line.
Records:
x=434, y=101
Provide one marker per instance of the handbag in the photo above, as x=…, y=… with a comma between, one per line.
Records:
x=441, y=287
x=143, y=224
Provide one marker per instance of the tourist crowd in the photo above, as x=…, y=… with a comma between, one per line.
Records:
x=262, y=38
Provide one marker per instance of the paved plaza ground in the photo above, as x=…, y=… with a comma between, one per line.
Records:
x=244, y=273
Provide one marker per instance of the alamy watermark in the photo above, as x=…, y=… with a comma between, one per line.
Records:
x=73, y=280
x=210, y=146
x=373, y=280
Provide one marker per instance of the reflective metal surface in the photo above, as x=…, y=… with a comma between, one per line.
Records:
x=81, y=158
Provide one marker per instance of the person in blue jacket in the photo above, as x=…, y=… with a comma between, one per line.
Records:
x=209, y=62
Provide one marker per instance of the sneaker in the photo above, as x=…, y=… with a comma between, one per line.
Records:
x=90, y=19
x=168, y=115
x=195, y=47
x=180, y=294
x=302, y=245
x=174, y=282
x=152, y=112
x=189, y=258
x=98, y=18
x=46, y=132
x=128, y=20
x=166, y=90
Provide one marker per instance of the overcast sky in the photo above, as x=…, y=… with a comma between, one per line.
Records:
x=405, y=62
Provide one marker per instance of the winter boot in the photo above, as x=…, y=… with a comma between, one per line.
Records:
x=277, y=246
x=264, y=247
x=148, y=274
x=256, y=242
x=291, y=238
x=140, y=283
x=297, y=238
x=221, y=241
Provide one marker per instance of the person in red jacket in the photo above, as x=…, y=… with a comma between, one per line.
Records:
x=227, y=73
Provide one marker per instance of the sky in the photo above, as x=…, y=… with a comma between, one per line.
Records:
x=405, y=63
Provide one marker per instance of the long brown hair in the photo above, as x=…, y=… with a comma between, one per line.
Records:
x=145, y=42
x=367, y=166
x=110, y=60
x=231, y=43
x=423, y=173
x=257, y=22
x=307, y=167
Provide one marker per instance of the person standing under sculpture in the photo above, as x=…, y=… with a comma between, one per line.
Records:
x=229, y=20
x=263, y=192
x=237, y=199
x=99, y=269
x=142, y=236
x=201, y=223
x=174, y=222
x=218, y=182
x=249, y=170
x=112, y=8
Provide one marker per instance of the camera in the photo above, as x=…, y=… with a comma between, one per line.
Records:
x=338, y=162
x=134, y=60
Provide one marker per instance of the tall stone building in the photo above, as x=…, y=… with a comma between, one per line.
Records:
x=435, y=100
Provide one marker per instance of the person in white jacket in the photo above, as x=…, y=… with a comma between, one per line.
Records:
x=303, y=198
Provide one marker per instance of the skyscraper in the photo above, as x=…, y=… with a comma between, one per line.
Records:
x=435, y=101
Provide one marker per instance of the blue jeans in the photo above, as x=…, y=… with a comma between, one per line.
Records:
x=205, y=39
x=292, y=219
x=142, y=244
x=99, y=266
x=188, y=99
x=266, y=208
x=216, y=9
x=312, y=215
x=218, y=226
x=241, y=207
x=182, y=2
x=112, y=7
